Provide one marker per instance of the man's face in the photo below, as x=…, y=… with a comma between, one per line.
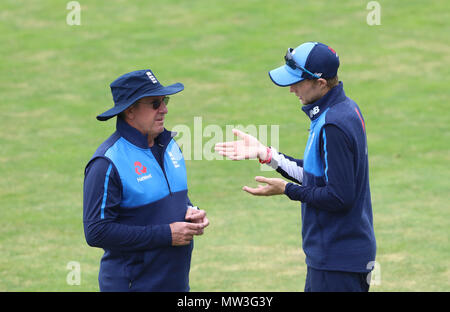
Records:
x=308, y=91
x=147, y=119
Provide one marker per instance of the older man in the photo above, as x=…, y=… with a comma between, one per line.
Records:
x=136, y=204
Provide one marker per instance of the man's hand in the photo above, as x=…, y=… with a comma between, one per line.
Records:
x=247, y=148
x=183, y=232
x=274, y=186
x=196, y=216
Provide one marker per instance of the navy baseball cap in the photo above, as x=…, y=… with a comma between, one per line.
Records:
x=129, y=88
x=310, y=60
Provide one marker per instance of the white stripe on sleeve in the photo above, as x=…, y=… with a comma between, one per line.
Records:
x=289, y=166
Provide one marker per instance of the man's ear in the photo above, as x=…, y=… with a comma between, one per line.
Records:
x=129, y=113
x=322, y=82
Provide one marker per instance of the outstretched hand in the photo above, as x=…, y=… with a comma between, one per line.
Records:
x=248, y=147
x=275, y=186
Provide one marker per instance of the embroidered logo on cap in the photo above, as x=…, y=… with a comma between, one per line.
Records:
x=151, y=77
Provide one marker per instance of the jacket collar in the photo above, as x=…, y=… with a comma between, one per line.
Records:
x=315, y=109
x=136, y=138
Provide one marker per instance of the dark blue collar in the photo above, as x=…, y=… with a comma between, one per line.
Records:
x=135, y=137
x=335, y=95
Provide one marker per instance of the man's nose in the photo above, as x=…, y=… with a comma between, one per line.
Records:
x=291, y=89
x=163, y=108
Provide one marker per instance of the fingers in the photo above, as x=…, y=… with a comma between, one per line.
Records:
x=194, y=228
x=240, y=134
x=205, y=222
x=263, y=179
x=225, y=145
x=183, y=232
x=227, y=149
x=248, y=147
x=232, y=144
x=198, y=217
x=259, y=191
x=238, y=150
x=231, y=153
x=195, y=215
x=237, y=133
x=273, y=186
x=235, y=156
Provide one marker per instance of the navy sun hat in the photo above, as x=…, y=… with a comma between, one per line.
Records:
x=129, y=88
x=310, y=60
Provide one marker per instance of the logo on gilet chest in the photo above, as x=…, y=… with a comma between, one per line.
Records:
x=143, y=179
x=141, y=169
x=312, y=162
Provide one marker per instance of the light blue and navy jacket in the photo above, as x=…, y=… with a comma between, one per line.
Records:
x=131, y=195
x=332, y=182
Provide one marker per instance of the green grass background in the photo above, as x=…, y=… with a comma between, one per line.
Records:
x=54, y=80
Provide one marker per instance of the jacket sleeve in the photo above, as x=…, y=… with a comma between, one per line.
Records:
x=188, y=201
x=338, y=194
x=102, y=193
x=288, y=167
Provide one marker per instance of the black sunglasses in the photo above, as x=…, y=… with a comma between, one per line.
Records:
x=289, y=58
x=157, y=102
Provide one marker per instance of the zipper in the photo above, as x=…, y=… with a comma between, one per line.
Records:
x=162, y=164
